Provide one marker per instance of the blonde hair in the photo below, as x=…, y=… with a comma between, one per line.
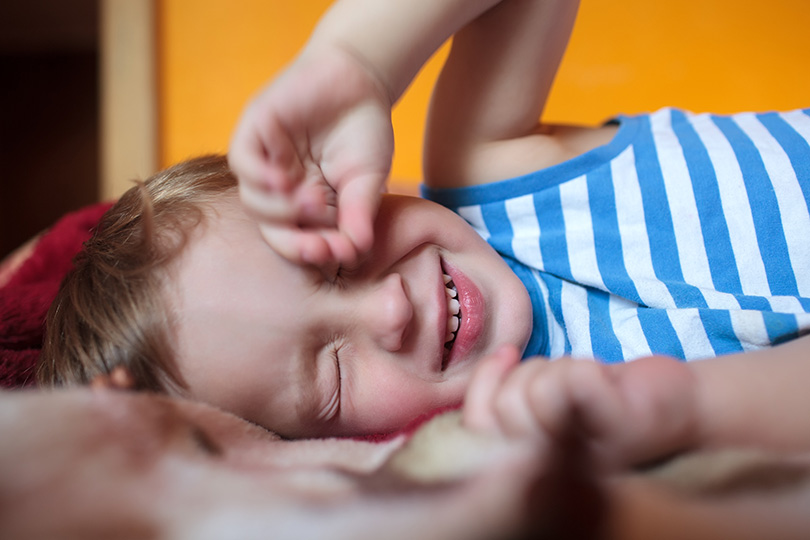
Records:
x=110, y=310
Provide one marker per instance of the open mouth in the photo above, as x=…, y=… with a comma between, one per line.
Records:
x=453, y=317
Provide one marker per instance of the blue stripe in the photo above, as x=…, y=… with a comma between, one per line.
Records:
x=707, y=197
x=553, y=244
x=764, y=210
x=658, y=218
x=605, y=345
x=659, y=332
x=554, y=250
x=606, y=235
x=501, y=233
x=781, y=327
x=554, y=286
x=538, y=340
x=499, y=227
x=758, y=303
x=717, y=323
x=796, y=147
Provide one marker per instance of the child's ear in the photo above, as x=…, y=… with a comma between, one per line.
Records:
x=118, y=379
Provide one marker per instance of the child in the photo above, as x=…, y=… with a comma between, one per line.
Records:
x=345, y=312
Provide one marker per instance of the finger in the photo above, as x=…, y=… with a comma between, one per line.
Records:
x=295, y=245
x=248, y=164
x=341, y=249
x=246, y=156
x=513, y=407
x=266, y=138
x=317, y=247
x=261, y=153
x=596, y=398
x=490, y=372
x=316, y=204
x=358, y=202
x=580, y=396
x=267, y=207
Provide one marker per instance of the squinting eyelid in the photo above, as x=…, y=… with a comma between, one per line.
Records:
x=338, y=377
x=332, y=407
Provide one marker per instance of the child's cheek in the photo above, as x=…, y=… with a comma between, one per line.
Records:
x=391, y=404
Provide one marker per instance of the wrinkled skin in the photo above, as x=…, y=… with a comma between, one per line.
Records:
x=97, y=463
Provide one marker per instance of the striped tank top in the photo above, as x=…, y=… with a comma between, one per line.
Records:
x=686, y=235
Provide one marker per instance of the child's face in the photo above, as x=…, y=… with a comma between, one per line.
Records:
x=285, y=347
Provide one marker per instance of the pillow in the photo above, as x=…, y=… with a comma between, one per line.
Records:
x=29, y=280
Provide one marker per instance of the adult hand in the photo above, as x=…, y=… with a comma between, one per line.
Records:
x=312, y=153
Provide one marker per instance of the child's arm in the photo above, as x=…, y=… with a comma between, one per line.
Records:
x=650, y=408
x=485, y=110
x=313, y=151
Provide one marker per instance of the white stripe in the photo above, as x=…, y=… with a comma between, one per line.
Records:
x=799, y=121
x=574, y=303
x=803, y=320
x=526, y=239
x=785, y=304
x=689, y=327
x=789, y=196
x=473, y=215
x=633, y=233
x=579, y=233
x=626, y=326
x=736, y=207
x=749, y=327
x=720, y=300
x=678, y=186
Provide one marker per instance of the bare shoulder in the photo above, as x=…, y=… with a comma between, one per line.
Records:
x=455, y=164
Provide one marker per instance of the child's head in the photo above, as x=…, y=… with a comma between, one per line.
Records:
x=204, y=307
x=111, y=310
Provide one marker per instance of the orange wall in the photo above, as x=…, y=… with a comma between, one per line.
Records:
x=625, y=56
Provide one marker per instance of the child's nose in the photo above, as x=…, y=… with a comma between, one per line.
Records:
x=386, y=313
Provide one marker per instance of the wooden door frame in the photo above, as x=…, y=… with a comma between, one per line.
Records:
x=129, y=94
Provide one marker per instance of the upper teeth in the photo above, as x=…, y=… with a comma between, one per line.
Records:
x=453, y=310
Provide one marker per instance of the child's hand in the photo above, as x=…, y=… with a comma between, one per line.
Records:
x=630, y=413
x=312, y=154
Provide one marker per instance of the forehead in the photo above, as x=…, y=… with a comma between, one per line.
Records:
x=238, y=312
x=226, y=254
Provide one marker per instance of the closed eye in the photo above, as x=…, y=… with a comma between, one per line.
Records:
x=332, y=407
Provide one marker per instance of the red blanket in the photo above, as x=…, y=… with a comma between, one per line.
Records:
x=25, y=298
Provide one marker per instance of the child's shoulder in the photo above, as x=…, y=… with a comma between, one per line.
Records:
x=492, y=161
